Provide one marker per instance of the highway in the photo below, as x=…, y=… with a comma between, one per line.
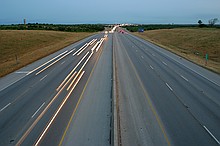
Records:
x=164, y=99
x=36, y=106
x=91, y=124
x=110, y=90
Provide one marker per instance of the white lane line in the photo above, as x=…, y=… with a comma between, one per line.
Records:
x=86, y=62
x=63, y=62
x=32, y=71
x=54, y=62
x=80, y=70
x=78, y=79
x=93, y=42
x=184, y=78
x=101, y=41
x=13, y=83
x=43, y=78
x=211, y=135
x=79, y=49
x=47, y=62
x=39, y=117
x=83, y=49
x=37, y=110
x=169, y=87
x=164, y=63
x=5, y=107
x=142, y=57
x=93, y=48
x=70, y=79
x=81, y=74
x=72, y=71
x=151, y=67
x=73, y=81
x=190, y=68
x=58, y=110
x=22, y=72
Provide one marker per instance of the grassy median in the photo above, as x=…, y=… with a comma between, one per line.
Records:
x=19, y=48
x=190, y=43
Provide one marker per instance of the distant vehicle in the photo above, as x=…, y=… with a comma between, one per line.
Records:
x=121, y=31
x=141, y=30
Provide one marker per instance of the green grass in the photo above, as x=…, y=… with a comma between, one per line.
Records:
x=31, y=45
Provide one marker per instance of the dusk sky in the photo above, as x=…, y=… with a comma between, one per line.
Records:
x=109, y=11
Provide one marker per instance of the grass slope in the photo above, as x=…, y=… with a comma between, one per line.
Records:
x=31, y=45
x=191, y=44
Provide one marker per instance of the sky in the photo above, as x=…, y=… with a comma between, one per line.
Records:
x=109, y=11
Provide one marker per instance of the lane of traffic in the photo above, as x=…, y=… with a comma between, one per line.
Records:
x=39, y=69
x=139, y=123
x=209, y=86
x=63, y=96
x=32, y=96
x=200, y=105
x=162, y=80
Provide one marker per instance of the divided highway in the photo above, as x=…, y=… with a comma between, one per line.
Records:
x=68, y=98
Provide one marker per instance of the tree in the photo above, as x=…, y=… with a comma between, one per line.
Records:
x=200, y=22
x=212, y=22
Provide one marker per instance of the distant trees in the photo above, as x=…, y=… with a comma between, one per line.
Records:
x=135, y=28
x=61, y=28
x=212, y=22
x=55, y=27
x=201, y=23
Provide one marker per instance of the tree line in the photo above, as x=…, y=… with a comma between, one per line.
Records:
x=136, y=28
x=211, y=22
x=55, y=27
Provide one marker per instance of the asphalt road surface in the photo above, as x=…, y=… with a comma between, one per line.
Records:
x=37, y=102
x=92, y=121
x=67, y=99
x=164, y=99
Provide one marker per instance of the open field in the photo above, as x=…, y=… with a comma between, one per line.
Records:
x=21, y=47
x=191, y=44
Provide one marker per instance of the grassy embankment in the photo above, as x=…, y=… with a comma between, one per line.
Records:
x=191, y=44
x=30, y=45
